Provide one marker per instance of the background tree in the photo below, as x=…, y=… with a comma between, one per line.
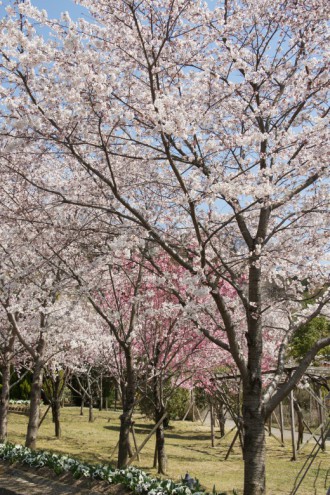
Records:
x=307, y=335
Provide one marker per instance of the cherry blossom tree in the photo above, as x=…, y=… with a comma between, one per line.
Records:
x=166, y=342
x=54, y=384
x=110, y=282
x=91, y=351
x=36, y=306
x=203, y=130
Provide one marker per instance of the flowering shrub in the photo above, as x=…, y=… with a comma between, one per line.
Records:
x=136, y=480
x=19, y=402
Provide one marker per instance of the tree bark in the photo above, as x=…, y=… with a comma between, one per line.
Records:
x=160, y=442
x=158, y=398
x=101, y=393
x=253, y=410
x=90, y=411
x=34, y=415
x=56, y=411
x=221, y=419
x=55, y=400
x=4, y=400
x=128, y=398
x=300, y=418
x=254, y=443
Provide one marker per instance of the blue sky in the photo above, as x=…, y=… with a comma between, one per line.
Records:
x=53, y=7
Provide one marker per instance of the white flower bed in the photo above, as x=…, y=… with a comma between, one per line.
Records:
x=136, y=480
x=20, y=402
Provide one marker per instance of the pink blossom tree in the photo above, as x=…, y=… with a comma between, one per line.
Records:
x=168, y=344
x=110, y=282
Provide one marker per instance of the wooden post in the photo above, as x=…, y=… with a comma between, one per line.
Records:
x=212, y=424
x=281, y=422
x=45, y=414
x=207, y=412
x=321, y=419
x=193, y=404
x=134, y=440
x=294, y=452
x=228, y=432
x=270, y=425
x=199, y=414
x=232, y=444
x=279, y=427
x=114, y=450
x=317, y=440
x=184, y=417
x=146, y=440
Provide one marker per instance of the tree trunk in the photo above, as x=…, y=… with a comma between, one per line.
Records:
x=124, y=444
x=90, y=411
x=101, y=393
x=82, y=405
x=159, y=413
x=56, y=411
x=221, y=419
x=254, y=448
x=34, y=415
x=160, y=443
x=4, y=401
x=128, y=399
x=56, y=393
x=300, y=418
x=253, y=410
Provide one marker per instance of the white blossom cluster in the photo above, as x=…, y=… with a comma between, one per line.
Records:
x=136, y=480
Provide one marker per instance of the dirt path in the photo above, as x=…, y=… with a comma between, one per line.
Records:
x=14, y=481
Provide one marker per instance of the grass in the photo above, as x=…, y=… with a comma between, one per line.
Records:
x=188, y=449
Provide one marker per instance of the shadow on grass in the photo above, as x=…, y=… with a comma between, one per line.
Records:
x=145, y=430
x=112, y=428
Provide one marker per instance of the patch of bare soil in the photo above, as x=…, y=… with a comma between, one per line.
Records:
x=97, y=486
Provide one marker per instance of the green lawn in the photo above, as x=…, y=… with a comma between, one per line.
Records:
x=188, y=449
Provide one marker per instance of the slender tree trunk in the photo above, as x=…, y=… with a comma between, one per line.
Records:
x=128, y=399
x=101, y=393
x=56, y=402
x=90, y=411
x=56, y=411
x=159, y=413
x=160, y=442
x=212, y=425
x=34, y=415
x=82, y=405
x=4, y=401
x=300, y=418
x=221, y=419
